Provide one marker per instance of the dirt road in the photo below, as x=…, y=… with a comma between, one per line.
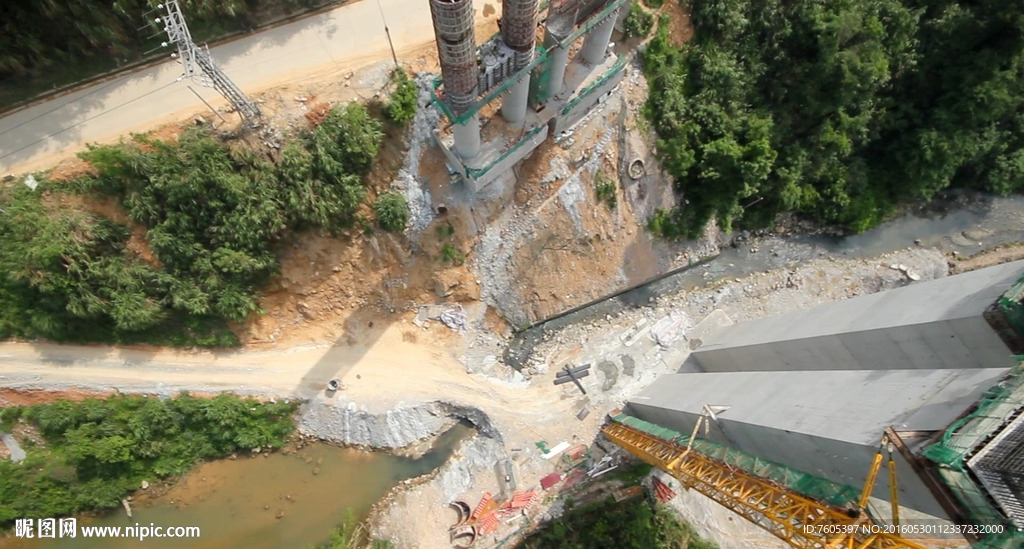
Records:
x=338, y=41
x=384, y=368
x=298, y=372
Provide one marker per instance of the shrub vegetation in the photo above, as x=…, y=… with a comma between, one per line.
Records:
x=451, y=254
x=392, y=211
x=401, y=107
x=606, y=190
x=212, y=213
x=630, y=524
x=638, y=23
x=97, y=451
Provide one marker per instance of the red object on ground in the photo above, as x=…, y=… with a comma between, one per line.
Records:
x=573, y=478
x=520, y=500
x=480, y=506
x=550, y=480
x=576, y=452
x=663, y=492
x=487, y=524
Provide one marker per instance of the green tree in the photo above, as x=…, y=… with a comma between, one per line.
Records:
x=401, y=106
x=346, y=142
x=208, y=214
x=392, y=211
x=630, y=524
x=97, y=451
x=638, y=23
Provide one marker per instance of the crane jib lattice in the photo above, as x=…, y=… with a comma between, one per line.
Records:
x=799, y=521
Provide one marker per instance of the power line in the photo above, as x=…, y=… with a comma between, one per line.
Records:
x=387, y=33
x=93, y=117
x=197, y=60
x=57, y=108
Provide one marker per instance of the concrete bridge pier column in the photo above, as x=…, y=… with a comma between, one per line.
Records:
x=513, y=106
x=467, y=137
x=595, y=45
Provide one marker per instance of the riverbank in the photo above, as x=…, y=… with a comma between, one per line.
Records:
x=88, y=456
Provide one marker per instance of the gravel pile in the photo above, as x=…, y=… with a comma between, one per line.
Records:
x=414, y=187
x=473, y=456
x=346, y=422
x=763, y=294
x=493, y=263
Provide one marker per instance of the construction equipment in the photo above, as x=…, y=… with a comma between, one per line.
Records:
x=708, y=411
x=803, y=522
x=869, y=484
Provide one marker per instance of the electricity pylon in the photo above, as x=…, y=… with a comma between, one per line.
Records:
x=197, y=61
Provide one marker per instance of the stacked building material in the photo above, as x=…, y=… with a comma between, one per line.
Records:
x=661, y=490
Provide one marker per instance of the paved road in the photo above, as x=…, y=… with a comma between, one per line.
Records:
x=17, y=454
x=344, y=38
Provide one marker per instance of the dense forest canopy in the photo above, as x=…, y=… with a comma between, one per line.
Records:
x=836, y=109
x=41, y=35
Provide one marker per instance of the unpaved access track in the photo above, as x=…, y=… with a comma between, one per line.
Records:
x=330, y=43
x=381, y=369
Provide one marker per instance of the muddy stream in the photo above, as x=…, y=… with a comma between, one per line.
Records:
x=276, y=502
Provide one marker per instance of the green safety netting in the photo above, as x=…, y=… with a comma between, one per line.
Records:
x=476, y=173
x=539, y=83
x=616, y=68
x=798, y=481
x=952, y=449
x=966, y=433
x=594, y=20
x=540, y=56
x=1011, y=304
x=539, y=91
x=539, y=66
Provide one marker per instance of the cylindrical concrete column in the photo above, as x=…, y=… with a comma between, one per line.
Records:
x=558, y=58
x=456, y=50
x=513, y=105
x=595, y=45
x=467, y=137
x=519, y=25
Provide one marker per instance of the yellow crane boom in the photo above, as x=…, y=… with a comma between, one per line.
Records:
x=804, y=523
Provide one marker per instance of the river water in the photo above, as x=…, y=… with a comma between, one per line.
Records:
x=964, y=222
x=237, y=503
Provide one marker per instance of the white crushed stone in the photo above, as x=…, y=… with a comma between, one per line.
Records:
x=415, y=188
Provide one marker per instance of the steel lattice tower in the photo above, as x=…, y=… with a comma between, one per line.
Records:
x=197, y=60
